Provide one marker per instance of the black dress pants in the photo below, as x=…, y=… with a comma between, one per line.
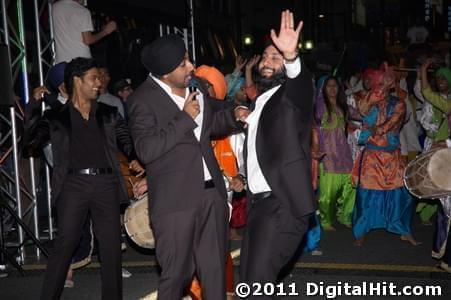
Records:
x=193, y=240
x=270, y=240
x=81, y=194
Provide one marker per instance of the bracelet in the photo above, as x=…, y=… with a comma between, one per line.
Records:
x=240, y=106
x=243, y=178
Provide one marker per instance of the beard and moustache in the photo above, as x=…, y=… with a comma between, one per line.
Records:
x=264, y=83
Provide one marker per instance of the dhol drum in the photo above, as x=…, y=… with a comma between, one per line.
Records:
x=137, y=223
x=429, y=175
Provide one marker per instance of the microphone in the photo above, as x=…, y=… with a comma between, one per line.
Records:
x=194, y=84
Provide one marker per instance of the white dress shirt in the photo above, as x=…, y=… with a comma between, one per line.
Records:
x=255, y=178
x=180, y=102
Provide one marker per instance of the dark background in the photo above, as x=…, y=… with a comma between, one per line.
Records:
x=370, y=30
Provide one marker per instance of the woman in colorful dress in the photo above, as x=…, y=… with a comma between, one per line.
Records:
x=336, y=194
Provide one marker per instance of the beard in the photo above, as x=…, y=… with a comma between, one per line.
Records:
x=264, y=83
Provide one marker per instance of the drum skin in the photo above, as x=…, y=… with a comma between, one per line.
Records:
x=428, y=175
x=439, y=169
x=137, y=225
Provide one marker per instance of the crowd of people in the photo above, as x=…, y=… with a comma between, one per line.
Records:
x=266, y=148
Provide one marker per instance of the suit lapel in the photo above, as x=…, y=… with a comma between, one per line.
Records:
x=269, y=109
x=206, y=114
x=168, y=107
x=100, y=121
x=273, y=102
x=63, y=117
x=61, y=131
x=163, y=99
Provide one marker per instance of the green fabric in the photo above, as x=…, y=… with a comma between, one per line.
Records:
x=335, y=122
x=441, y=106
x=444, y=72
x=426, y=211
x=336, y=198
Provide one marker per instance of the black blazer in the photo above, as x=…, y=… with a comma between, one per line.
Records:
x=55, y=127
x=165, y=143
x=283, y=143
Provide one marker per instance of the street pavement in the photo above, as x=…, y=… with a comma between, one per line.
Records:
x=384, y=259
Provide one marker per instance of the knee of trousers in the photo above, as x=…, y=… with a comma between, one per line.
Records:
x=175, y=282
x=65, y=244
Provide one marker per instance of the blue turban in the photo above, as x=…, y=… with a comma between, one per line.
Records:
x=56, y=76
x=234, y=86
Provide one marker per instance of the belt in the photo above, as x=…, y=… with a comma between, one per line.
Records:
x=209, y=184
x=91, y=171
x=260, y=196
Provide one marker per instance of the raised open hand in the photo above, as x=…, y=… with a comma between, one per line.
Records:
x=287, y=39
x=240, y=62
x=252, y=62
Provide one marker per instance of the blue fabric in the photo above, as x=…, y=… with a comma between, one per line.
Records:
x=371, y=117
x=55, y=75
x=392, y=100
x=364, y=136
x=313, y=235
x=375, y=209
x=393, y=139
x=393, y=144
x=234, y=86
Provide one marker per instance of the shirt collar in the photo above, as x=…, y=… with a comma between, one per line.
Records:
x=166, y=87
x=92, y=112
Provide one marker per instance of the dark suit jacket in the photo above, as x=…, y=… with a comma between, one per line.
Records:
x=283, y=143
x=165, y=142
x=55, y=127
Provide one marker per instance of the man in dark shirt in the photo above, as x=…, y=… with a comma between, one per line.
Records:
x=86, y=178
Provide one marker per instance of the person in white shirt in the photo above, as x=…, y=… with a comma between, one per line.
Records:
x=417, y=34
x=73, y=28
x=278, y=158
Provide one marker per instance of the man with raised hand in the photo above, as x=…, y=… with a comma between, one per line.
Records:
x=278, y=158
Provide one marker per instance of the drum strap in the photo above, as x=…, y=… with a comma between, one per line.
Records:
x=360, y=167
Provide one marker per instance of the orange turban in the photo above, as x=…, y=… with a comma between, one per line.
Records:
x=222, y=149
x=215, y=78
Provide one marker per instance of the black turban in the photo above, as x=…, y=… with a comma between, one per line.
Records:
x=163, y=55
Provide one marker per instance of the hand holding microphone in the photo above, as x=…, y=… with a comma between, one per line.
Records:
x=192, y=106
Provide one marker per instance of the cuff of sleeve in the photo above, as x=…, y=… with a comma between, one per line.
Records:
x=240, y=106
x=293, y=69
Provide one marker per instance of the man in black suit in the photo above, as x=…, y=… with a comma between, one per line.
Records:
x=277, y=156
x=187, y=198
x=86, y=178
